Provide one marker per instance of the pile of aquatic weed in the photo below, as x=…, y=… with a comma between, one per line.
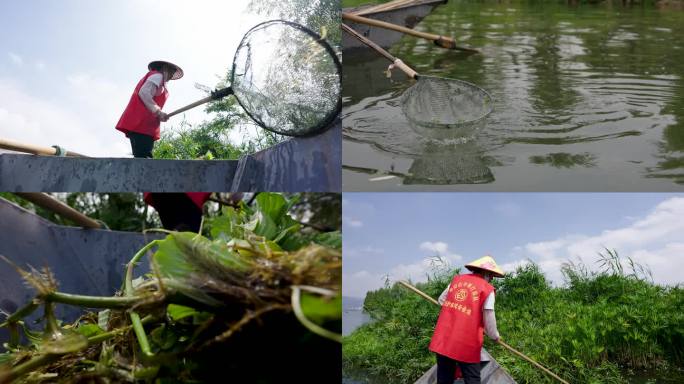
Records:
x=257, y=302
x=600, y=327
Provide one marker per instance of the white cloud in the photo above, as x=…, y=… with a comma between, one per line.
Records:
x=40, y=65
x=16, y=59
x=40, y=121
x=438, y=247
x=358, y=283
x=352, y=222
x=656, y=241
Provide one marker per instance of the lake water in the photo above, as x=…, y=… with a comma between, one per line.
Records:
x=587, y=97
x=352, y=319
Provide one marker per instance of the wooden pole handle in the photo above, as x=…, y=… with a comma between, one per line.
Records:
x=397, y=62
x=384, y=7
x=190, y=106
x=50, y=203
x=419, y=292
x=215, y=95
x=442, y=41
x=34, y=149
x=522, y=355
x=390, y=26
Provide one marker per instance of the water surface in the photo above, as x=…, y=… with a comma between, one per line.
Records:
x=585, y=98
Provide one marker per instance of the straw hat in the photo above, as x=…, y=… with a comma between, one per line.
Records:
x=158, y=63
x=485, y=263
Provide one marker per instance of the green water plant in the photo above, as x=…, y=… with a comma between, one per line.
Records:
x=257, y=275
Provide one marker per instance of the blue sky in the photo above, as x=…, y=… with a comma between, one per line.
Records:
x=68, y=67
x=394, y=233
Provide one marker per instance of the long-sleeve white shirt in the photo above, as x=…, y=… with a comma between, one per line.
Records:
x=152, y=87
x=488, y=316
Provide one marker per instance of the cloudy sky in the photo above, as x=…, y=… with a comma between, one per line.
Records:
x=395, y=234
x=68, y=67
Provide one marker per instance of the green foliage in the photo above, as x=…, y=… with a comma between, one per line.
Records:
x=394, y=344
x=321, y=16
x=207, y=141
x=590, y=331
x=211, y=139
x=120, y=211
x=208, y=308
x=271, y=220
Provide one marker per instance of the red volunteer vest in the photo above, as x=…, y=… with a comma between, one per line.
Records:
x=459, y=330
x=199, y=198
x=136, y=117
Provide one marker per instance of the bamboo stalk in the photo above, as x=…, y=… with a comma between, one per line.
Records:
x=34, y=149
x=511, y=349
x=50, y=203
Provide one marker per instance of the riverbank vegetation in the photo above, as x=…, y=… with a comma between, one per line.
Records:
x=599, y=327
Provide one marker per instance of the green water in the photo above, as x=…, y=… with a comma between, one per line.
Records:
x=587, y=98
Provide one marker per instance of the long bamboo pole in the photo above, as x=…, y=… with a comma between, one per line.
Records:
x=516, y=352
x=396, y=61
x=442, y=41
x=56, y=206
x=34, y=149
x=387, y=6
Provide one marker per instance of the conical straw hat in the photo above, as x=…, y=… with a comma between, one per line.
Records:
x=178, y=73
x=485, y=263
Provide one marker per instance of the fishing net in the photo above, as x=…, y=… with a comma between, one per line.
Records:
x=435, y=102
x=461, y=166
x=287, y=78
x=423, y=154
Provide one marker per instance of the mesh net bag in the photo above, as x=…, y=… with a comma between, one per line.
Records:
x=445, y=103
x=287, y=78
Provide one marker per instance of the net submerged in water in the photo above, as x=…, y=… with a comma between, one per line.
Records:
x=436, y=102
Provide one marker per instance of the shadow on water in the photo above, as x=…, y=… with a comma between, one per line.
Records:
x=585, y=98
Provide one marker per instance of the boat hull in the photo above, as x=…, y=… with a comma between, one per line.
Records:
x=492, y=373
x=407, y=16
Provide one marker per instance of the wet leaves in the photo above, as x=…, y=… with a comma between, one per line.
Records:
x=202, y=292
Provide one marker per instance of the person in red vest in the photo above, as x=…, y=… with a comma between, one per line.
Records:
x=141, y=118
x=179, y=211
x=467, y=311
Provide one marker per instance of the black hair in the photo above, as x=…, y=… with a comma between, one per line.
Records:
x=157, y=66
